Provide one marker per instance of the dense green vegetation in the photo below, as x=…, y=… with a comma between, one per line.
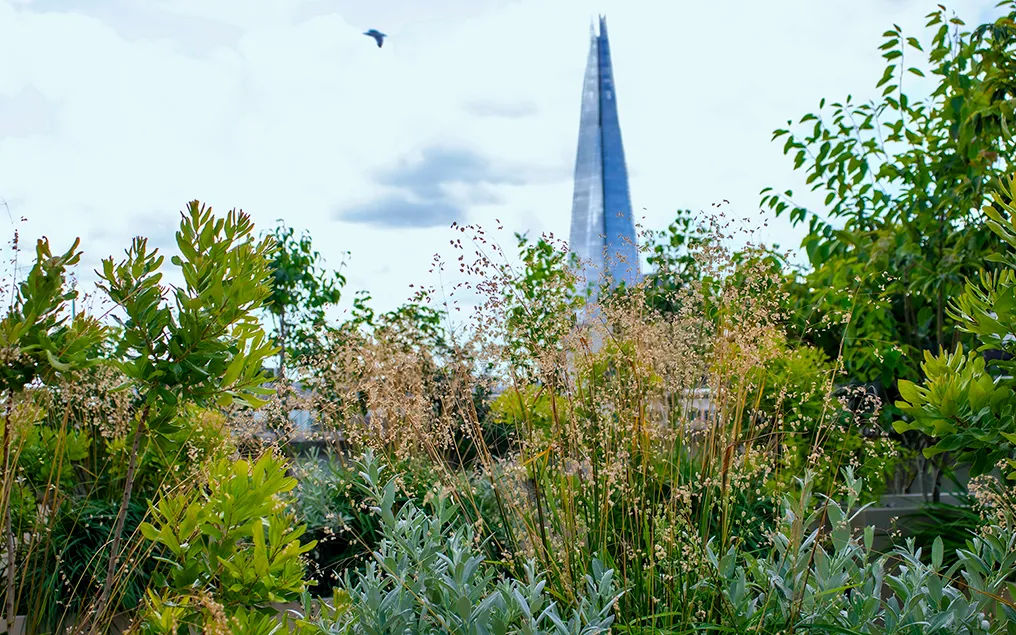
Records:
x=698, y=458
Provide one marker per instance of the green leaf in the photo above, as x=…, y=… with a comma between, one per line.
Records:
x=56, y=363
x=980, y=392
x=899, y=425
x=937, y=552
x=235, y=368
x=886, y=76
x=149, y=531
x=909, y=392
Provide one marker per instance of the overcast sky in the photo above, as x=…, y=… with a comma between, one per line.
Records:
x=115, y=113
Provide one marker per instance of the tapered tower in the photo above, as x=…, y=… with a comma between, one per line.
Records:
x=602, y=225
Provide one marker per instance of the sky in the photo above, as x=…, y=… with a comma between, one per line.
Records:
x=115, y=113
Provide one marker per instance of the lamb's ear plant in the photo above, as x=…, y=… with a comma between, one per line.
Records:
x=336, y=518
x=38, y=342
x=813, y=582
x=430, y=575
x=199, y=343
x=233, y=550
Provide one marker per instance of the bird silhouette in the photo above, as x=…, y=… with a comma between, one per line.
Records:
x=378, y=36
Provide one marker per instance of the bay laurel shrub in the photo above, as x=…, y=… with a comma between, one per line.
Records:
x=232, y=548
x=102, y=418
x=195, y=344
x=965, y=404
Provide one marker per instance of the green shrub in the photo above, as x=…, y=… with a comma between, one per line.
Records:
x=337, y=516
x=964, y=407
x=800, y=399
x=841, y=586
x=39, y=346
x=232, y=550
x=104, y=418
x=961, y=405
x=429, y=576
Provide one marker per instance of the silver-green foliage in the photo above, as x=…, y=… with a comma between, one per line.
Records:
x=429, y=575
x=809, y=585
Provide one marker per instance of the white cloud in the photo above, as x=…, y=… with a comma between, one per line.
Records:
x=116, y=113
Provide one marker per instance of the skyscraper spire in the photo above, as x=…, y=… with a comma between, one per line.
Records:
x=602, y=225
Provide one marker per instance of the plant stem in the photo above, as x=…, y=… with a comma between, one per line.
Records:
x=936, y=492
x=282, y=345
x=8, y=530
x=121, y=518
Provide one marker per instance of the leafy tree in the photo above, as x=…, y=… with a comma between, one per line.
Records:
x=672, y=258
x=415, y=326
x=904, y=181
x=540, y=302
x=301, y=291
x=690, y=256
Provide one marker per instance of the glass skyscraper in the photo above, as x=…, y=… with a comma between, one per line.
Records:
x=602, y=225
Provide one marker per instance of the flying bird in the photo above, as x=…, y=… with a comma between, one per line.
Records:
x=378, y=36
